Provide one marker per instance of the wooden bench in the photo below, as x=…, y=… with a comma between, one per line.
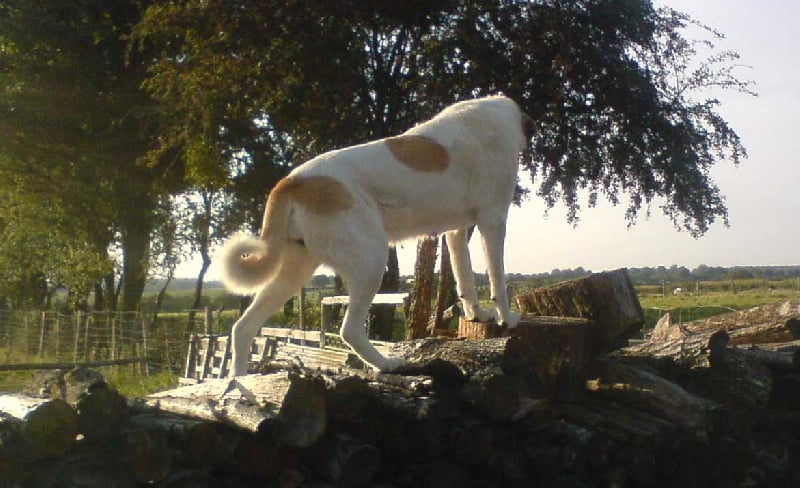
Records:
x=209, y=355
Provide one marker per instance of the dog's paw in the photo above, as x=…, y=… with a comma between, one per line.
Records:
x=391, y=364
x=481, y=315
x=512, y=320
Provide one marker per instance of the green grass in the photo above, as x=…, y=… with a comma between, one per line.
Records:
x=686, y=307
x=133, y=384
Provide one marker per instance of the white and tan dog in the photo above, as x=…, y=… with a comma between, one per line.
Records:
x=343, y=208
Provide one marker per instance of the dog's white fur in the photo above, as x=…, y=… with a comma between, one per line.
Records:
x=343, y=208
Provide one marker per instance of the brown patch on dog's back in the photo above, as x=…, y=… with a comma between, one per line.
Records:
x=319, y=194
x=419, y=153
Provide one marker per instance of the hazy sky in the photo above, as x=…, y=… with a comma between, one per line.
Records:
x=762, y=193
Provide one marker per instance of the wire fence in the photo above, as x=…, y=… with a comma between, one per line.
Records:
x=42, y=340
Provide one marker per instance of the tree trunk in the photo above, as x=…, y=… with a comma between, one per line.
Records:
x=160, y=299
x=198, y=289
x=446, y=294
x=420, y=309
x=135, y=247
x=381, y=317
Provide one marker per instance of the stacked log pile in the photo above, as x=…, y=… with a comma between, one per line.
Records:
x=545, y=404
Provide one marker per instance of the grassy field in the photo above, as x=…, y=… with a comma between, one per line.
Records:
x=688, y=306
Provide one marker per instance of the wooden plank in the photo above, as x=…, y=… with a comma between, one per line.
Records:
x=380, y=299
x=209, y=343
x=287, y=333
x=191, y=358
x=312, y=357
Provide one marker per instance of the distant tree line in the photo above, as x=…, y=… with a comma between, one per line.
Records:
x=658, y=275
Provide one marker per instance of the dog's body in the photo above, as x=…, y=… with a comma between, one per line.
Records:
x=343, y=208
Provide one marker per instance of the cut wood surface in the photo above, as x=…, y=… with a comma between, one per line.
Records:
x=607, y=299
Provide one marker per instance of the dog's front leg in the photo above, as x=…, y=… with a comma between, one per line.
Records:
x=465, y=279
x=493, y=237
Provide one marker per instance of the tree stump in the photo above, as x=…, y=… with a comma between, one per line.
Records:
x=607, y=299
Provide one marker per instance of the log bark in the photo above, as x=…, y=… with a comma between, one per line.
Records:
x=146, y=455
x=290, y=406
x=705, y=365
x=37, y=427
x=349, y=462
x=778, y=322
x=502, y=375
x=607, y=299
x=558, y=349
x=64, y=384
x=617, y=382
x=87, y=469
x=101, y=413
x=193, y=443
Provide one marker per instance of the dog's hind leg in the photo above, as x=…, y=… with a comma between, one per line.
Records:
x=465, y=279
x=294, y=271
x=363, y=280
x=493, y=233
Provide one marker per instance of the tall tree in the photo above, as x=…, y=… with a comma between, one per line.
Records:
x=74, y=125
x=614, y=87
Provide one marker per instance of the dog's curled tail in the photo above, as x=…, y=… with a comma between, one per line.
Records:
x=245, y=264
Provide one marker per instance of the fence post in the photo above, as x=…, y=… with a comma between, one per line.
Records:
x=114, y=337
x=41, y=336
x=27, y=349
x=144, y=347
x=166, y=348
x=301, y=314
x=89, y=319
x=77, y=336
x=58, y=336
x=209, y=321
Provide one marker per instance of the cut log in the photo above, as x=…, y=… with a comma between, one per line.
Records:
x=101, y=413
x=778, y=322
x=194, y=443
x=667, y=330
x=291, y=406
x=349, y=462
x=146, y=455
x=556, y=350
x=607, y=299
x=89, y=469
x=620, y=423
x=705, y=365
x=617, y=382
x=65, y=384
x=43, y=427
x=189, y=479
